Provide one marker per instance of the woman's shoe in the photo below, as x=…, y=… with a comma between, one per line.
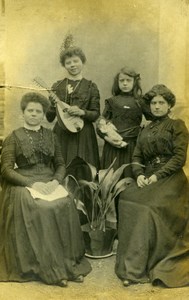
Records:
x=63, y=283
x=128, y=282
x=79, y=279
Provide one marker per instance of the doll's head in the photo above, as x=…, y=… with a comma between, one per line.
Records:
x=127, y=81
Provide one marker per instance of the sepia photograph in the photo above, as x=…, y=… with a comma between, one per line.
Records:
x=94, y=131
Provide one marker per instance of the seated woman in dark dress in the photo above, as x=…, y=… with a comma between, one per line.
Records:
x=153, y=211
x=39, y=239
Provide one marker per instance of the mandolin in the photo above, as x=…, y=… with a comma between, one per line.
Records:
x=66, y=121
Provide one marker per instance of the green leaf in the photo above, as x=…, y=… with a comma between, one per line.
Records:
x=102, y=173
x=99, y=202
x=111, y=213
x=106, y=184
x=110, y=181
x=80, y=169
x=121, y=186
x=107, y=204
x=98, y=197
x=111, y=224
x=80, y=206
x=71, y=185
x=90, y=184
x=117, y=174
x=88, y=190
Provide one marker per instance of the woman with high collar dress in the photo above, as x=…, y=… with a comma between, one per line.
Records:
x=39, y=239
x=154, y=209
x=83, y=97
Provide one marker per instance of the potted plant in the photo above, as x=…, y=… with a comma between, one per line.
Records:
x=95, y=192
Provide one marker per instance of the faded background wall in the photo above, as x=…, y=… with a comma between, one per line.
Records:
x=111, y=33
x=149, y=35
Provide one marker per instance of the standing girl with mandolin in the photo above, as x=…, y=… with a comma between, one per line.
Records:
x=83, y=108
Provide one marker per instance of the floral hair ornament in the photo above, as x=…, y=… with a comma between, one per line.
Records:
x=68, y=49
x=68, y=42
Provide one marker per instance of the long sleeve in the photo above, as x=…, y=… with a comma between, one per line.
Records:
x=59, y=164
x=92, y=111
x=107, y=115
x=8, y=159
x=138, y=157
x=180, y=144
x=15, y=152
x=51, y=113
x=107, y=112
x=168, y=138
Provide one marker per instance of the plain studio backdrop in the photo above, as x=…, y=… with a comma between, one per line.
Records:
x=152, y=36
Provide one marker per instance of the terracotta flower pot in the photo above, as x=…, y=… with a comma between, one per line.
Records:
x=98, y=243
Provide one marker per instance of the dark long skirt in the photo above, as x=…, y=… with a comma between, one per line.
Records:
x=123, y=156
x=173, y=271
x=151, y=220
x=40, y=240
x=82, y=144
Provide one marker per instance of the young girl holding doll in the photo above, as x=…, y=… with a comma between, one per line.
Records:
x=120, y=122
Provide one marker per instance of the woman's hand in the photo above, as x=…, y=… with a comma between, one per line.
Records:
x=41, y=187
x=52, y=185
x=76, y=111
x=142, y=181
x=152, y=179
x=45, y=188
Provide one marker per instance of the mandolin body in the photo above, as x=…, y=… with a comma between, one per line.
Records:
x=66, y=121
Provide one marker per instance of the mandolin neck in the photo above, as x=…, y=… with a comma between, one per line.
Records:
x=52, y=94
x=57, y=100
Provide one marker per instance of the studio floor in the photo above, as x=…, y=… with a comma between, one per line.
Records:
x=100, y=284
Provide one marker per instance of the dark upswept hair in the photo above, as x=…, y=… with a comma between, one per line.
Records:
x=36, y=98
x=72, y=51
x=137, y=90
x=160, y=90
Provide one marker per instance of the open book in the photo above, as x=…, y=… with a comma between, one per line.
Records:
x=59, y=192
